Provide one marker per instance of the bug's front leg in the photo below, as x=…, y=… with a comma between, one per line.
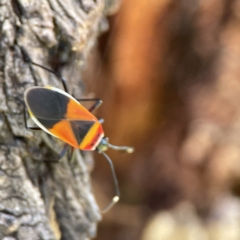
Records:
x=97, y=103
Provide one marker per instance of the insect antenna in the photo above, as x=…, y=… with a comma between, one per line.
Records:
x=117, y=192
x=121, y=148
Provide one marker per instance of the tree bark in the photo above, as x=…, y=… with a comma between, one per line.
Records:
x=40, y=199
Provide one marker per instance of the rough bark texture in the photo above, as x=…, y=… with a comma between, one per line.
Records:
x=40, y=199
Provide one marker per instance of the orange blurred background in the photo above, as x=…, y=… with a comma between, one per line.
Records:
x=168, y=73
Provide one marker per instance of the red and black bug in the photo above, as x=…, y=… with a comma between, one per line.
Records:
x=61, y=115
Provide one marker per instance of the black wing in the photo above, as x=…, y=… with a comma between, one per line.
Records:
x=46, y=104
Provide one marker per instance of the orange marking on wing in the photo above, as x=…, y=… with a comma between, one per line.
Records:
x=63, y=131
x=75, y=111
x=92, y=137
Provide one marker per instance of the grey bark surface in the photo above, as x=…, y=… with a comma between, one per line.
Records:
x=40, y=199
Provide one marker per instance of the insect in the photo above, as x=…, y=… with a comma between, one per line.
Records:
x=61, y=115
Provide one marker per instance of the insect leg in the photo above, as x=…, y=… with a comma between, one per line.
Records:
x=64, y=82
x=25, y=120
x=60, y=156
x=97, y=103
x=70, y=154
x=28, y=59
x=63, y=152
x=25, y=115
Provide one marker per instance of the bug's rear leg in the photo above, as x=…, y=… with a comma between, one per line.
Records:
x=25, y=115
x=64, y=82
x=25, y=120
x=27, y=58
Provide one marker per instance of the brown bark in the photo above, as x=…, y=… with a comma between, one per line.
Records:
x=40, y=199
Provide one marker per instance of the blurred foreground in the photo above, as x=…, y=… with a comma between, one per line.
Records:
x=170, y=82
